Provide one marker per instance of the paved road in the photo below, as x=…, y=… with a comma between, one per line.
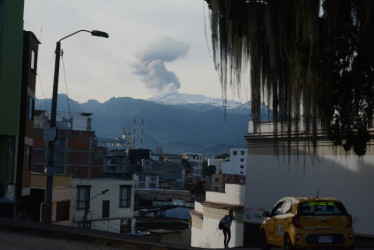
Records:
x=21, y=241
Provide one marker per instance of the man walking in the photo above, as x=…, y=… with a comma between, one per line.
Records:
x=227, y=220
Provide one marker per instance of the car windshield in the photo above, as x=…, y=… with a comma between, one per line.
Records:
x=321, y=208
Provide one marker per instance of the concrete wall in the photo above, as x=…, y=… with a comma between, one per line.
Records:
x=116, y=214
x=330, y=173
x=205, y=218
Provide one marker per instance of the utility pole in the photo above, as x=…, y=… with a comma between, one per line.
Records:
x=51, y=133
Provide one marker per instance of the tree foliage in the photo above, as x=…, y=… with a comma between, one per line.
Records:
x=222, y=156
x=209, y=170
x=312, y=61
x=198, y=188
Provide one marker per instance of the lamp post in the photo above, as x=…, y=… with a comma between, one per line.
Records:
x=52, y=132
x=88, y=203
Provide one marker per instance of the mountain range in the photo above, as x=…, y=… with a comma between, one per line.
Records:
x=176, y=122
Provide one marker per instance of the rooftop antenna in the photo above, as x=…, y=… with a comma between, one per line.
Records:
x=134, y=133
x=141, y=136
x=317, y=194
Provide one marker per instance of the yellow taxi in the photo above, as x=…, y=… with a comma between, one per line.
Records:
x=307, y=222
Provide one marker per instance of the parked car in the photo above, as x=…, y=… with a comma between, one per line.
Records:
x=307, y=222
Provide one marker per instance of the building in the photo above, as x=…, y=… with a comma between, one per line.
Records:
x=11, y=50
x=105, y=204
x=63, y=199
x=75, y=150
x=27, y=105
x=296, y=171
x=195, y=160
x=237, y=163
x=146, y=181
x=217, y=163
x=207, y=214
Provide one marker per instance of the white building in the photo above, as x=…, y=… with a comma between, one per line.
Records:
x=196, y=161
x=146, y=181
x=74, y=121
x=217, y=163
x=238, y=162
x=105, y=204
x=206, y=216
x=332, y=172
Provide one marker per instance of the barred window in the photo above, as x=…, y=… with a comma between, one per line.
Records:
x=63, y=211
x=83, y=197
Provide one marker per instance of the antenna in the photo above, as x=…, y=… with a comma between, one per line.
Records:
x=141, y=136
x=317, y=194
x=134, y=133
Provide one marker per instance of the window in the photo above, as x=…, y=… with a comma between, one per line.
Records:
x=28, y=157
x=287, y=207
x=216, y=179
x=33, y=60
x=241, y=166
x=153, y=179
x=242, y=152
x=63, y=210
x=241, y=159
x=106, y=206
x=277, y=209
x=321, y=208
x=234, y=152
x=141, y=178
x=125, y=196
x=83, y=197
x=31, y=108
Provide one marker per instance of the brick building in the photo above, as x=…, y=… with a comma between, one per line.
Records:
x=76, y=153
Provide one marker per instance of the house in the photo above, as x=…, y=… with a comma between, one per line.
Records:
x=195, y=160
x=63, y=199
x=207, y=214
x=146, y=181
x=26, y=132
x=295, y=171
x=105, y=204
x=11, y=69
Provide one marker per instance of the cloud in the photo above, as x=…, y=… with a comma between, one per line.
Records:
x=151, y=64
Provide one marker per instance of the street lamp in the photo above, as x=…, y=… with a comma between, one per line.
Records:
x=52, y=132
x=87, y=205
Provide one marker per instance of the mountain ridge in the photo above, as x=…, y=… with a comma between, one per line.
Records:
x=194, y=127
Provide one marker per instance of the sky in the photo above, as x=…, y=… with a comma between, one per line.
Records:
x=154, y=47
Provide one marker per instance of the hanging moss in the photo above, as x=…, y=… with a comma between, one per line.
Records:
x=307, y=59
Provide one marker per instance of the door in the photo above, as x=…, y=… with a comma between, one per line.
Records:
x=273, y=223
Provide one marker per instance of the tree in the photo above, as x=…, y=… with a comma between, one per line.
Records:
x=222, y=156
x=198, y=188
x=312, y=61
x=209, y=170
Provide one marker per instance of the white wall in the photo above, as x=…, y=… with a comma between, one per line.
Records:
x=116, y=213
x=208, y=235
x=346, y=177
x=238, y=162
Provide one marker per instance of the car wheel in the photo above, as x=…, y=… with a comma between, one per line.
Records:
x=287, y=243
x=263, y=243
